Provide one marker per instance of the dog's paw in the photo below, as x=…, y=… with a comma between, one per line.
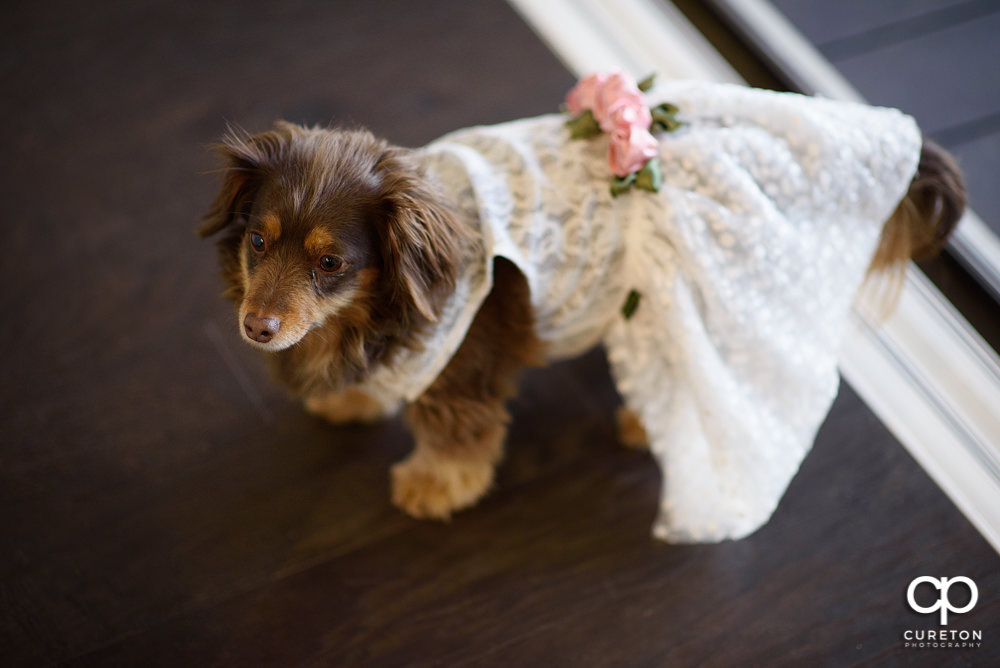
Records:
x=348, y=406
x=631, y=433
x=432, y=487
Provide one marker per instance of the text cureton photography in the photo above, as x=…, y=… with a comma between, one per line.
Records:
x=942, y=638
x=930, y=638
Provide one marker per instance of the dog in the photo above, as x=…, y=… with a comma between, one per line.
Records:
x=343, y=255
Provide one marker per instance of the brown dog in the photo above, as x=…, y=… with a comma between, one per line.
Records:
x=338, y=253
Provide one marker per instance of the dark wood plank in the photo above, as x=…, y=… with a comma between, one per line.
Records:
x=878, y=37
x=559, y=570
x=823, y=21
x=925, y=76
x=164, y=503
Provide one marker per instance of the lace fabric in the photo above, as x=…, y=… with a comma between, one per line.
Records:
x=747, y=261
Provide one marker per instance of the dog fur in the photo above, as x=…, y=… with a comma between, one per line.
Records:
x=357, y=253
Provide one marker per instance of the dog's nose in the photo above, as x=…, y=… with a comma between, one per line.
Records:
x=260, y=329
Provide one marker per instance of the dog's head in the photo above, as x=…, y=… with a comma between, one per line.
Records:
x=333, y=232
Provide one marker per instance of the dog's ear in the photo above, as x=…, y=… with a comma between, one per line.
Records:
x=422, y=238
x=246, y=160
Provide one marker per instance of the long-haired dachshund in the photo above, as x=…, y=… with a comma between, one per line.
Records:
x=345, y=257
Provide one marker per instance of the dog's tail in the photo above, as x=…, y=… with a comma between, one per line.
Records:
x=918, y=228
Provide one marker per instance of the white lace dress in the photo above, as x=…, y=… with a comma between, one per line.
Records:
x=746, y=263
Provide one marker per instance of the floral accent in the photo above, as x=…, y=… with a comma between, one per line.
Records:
x=626, y=114
x=664, y=118
x=630, y=149
x=619, y=88
x=613, y=103
x=583, y=95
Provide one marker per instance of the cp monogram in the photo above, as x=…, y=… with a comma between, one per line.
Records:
x=943, y=603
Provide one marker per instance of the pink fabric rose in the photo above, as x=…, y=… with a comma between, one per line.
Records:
x=618, y=87
x=619, y=107
x=630, y=149
x=583, y=95
x=625, y=114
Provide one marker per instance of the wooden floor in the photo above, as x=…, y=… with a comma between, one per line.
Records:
x=164, y=504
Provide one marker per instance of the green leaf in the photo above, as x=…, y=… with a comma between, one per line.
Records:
x=665, y=125
x=621, y=184
x=647, y=83
x=631, y=304
x=664, y=118
x=650, y=177
x=583, y=126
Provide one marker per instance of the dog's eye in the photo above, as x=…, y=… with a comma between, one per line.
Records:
x=331, y=263
x=257, y=241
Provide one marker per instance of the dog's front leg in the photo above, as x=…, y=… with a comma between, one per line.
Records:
x=458, y=445
x=347, y=406
x=459, y=422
